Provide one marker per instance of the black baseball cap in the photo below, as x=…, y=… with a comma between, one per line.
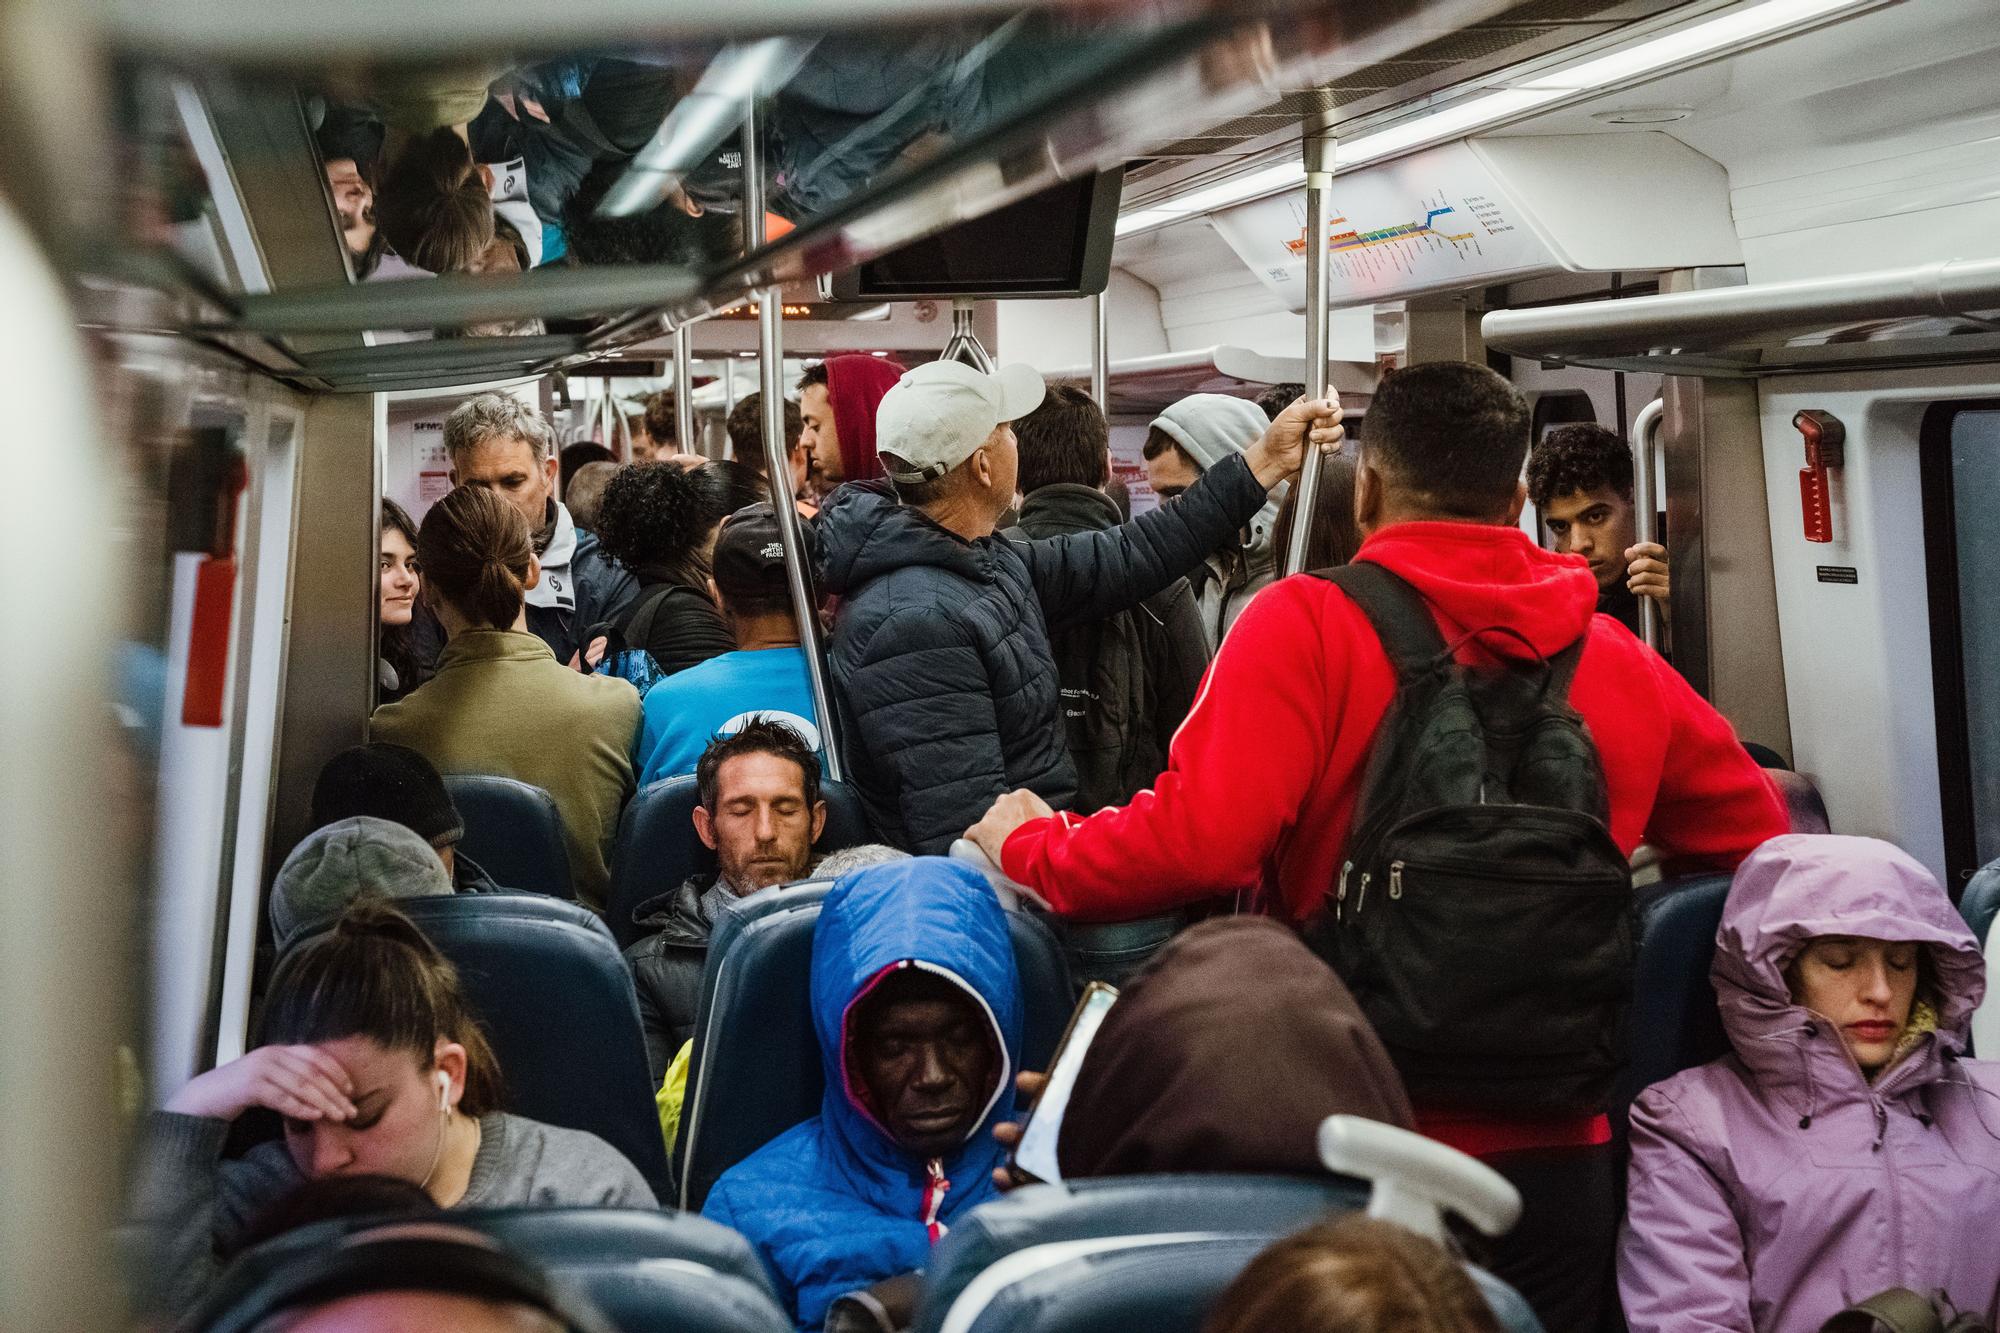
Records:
x=749, y=561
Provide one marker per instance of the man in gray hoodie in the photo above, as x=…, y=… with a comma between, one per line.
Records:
x=1182, y=444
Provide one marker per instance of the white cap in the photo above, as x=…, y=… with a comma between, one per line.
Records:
x=937, y=416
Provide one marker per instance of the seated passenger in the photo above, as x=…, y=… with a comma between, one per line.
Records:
x=328, y=1198
x=1128, y=679
x=1845, y=1147
x=660, y=523
x=764, y=676
x=837, y=402
x=1354, y=1275
x=394, y=782
x=1263, y=779
x=1580, y=482
x=500, y=702
x=1182, y=444
x=940, y=648
x=760, y=813
x=366, y=1049
x=347, y=859
x=918, y=1008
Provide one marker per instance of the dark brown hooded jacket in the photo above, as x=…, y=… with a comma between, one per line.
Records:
x=1225, y=1054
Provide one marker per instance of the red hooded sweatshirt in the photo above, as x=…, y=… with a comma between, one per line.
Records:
x=1262, y=778
x=855, y=386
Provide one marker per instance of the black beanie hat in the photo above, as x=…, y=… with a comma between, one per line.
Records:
x=391, y=782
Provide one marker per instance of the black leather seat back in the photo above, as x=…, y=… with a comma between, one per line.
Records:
x=514, y=831
x=755, y=1070
x=556, y=1000
x=657, y=847
x=1675, y=1022
x=1804, y=806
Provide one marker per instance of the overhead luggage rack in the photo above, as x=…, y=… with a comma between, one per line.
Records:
x=1928, y=315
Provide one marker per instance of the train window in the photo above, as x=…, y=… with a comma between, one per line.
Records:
x=1961, y=471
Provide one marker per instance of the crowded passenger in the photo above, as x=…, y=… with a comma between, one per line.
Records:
x=1331, y=537
x=660, y=522
x=763, y=676
x=1182, y=445
x=1845, y=1147
x=838, y=398
x=406, y=657
x=501, y=703
x=1290, y=712
x=498, y=443
x=1353, y=1275
x=1128, y=679
x=760, y=812
x=367, y=1050
x=333, y=866
x=354, y=205
x=940, y=650
x=746, y=440
x=917, y=1005
x=655, y=428
x=573, y=459
x=394, y=782
x=1277, y=397
x=1580, y=482
x=584, y=496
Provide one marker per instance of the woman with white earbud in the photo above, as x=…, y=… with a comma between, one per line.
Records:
x=369, y=1054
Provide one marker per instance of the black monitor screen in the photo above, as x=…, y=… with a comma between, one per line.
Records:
x=1056, y=243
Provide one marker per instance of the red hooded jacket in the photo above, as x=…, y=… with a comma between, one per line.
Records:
x=855, y=386
x=1262, y=778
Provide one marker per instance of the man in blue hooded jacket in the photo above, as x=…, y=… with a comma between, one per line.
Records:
x=917, y=1004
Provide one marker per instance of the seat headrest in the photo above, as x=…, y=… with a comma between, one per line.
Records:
x=514, y=830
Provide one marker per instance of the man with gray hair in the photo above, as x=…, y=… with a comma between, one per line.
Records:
x=497, y=441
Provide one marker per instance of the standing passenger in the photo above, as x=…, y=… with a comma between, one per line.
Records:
x=746, y=440
x=1263, y=778
x=404, y=664
x=1580, y=482
x=1183, y=443
x=1129, y=679
x=660, y=523
x=500, y=702
x=941, y=649
x=498, y=443
x=366, y=1048
x=1845, y=1148
x=837, y=402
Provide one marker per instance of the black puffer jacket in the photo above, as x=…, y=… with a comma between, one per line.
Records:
x=1128, y=680
x=666, y=968
x=941, y=654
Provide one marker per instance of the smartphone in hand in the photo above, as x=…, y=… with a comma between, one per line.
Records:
x=1035, y=1156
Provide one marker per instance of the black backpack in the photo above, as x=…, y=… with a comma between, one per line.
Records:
x=1483, y=916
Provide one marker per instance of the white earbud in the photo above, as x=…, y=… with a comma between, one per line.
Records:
x=444, y=1092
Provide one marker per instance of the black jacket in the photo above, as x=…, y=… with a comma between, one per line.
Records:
x=604, y=589
x=676, y=623
x=1129, y=679
x=940, y=652
x=666, y=967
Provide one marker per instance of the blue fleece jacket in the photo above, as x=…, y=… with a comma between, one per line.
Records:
x=834, y=1204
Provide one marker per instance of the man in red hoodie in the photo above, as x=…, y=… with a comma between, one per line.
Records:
x=1263, y=776
x=838, y=398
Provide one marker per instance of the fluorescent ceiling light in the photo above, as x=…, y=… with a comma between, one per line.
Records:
x=1452, y=121
x=1685, y=44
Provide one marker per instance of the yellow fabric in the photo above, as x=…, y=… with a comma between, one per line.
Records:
x=673, y=1090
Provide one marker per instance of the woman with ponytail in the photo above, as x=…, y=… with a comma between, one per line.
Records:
x=500, y=703
x=368, y=1052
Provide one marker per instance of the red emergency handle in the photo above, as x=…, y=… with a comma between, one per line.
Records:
x=208, y=642
x=1825, y=440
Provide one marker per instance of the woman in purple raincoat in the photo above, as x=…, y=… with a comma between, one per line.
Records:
x=1844, y=1147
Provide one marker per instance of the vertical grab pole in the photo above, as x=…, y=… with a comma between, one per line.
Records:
x=683, y=390
x=777, y=452
x=1319, y=187
x=1645, y=506
x=1100, y=350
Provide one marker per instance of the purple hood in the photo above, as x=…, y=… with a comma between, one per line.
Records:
x=1774, y=1187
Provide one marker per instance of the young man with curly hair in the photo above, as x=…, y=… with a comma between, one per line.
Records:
x=1580, y=480
x=660, y=523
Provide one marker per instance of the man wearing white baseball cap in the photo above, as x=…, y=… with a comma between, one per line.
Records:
x=940, y=652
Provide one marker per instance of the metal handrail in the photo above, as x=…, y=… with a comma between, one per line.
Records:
x=1319, y=188
x=1645, y=504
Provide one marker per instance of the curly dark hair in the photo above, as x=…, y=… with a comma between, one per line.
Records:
x=1279, y=397
x=659, y=517
x=1579, y=457
x=665, y=235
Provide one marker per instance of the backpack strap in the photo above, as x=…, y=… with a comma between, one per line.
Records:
x=1399, y=613
x=1898, y=1309
x=638, y=628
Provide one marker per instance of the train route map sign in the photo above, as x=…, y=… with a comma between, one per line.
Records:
x=1436, y=220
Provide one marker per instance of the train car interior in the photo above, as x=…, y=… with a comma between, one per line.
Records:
x=257, y=255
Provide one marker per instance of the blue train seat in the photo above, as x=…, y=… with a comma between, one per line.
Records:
x=514, y=831
x=555, y=998
x=755, y=1070
x=1148, y=1252
x=1675, y=1023
x=657, y=848
x=1979, y=901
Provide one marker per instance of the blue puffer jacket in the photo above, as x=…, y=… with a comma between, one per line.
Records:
x=833, y=1205
x=940, y=655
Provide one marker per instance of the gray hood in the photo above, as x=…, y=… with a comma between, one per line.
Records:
x=1212, y=426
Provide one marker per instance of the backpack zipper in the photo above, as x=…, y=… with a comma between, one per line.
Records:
x=1395, y=880
x=1361, y=896
x=1340, y=893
